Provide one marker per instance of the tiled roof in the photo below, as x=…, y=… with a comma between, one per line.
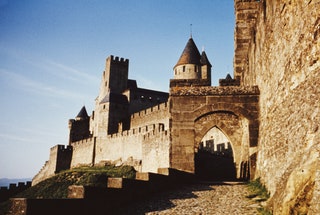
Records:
x=190, y=54
x=204, y=59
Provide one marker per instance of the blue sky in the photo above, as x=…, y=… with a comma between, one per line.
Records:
x=52, y=54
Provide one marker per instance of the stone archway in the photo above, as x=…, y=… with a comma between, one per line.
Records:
x=234, y=127
x=195, y=110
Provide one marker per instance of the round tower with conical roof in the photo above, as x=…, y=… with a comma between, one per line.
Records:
x=192, y=67
x=188, y=65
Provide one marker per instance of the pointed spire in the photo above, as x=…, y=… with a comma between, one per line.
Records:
x=204, y=59
x=228, y=77
x=190, y=54
x=82, y=114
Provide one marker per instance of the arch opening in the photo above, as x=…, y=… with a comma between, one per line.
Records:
x=214, y=157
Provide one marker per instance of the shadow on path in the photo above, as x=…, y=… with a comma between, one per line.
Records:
x=163, y=200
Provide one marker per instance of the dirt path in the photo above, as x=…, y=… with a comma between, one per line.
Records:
x=226, y=198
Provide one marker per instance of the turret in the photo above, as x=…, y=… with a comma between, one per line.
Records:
x=205, y=67
x=192, y=69
x=112, y=105
x=82, y=115
x=188, y=65
x=79, y=127
x=115, y=77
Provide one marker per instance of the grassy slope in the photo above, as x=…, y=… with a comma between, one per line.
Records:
x=57, y=186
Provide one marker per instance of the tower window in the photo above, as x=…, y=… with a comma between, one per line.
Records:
x=184, y=68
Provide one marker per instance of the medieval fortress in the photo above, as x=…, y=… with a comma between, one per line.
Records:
x=269, y=111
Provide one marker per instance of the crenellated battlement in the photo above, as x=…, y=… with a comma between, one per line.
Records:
x=61, y=148
x=13, y=189
x=157, y=129
x=153, y=128
x=118, y=60
x=159, y=107
x=82, y=142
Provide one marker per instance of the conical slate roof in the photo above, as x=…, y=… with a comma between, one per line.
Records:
x=82, y=114
x=190, y=54
x=204, y=59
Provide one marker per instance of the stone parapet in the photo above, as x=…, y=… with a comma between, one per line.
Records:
x=13, y=189
x=189, y=82
x=205, y=91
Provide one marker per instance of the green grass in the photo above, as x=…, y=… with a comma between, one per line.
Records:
x=259, y=193
x=258, y=190
x=56, y=187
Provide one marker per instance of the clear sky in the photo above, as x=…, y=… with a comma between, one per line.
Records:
x=52, y=54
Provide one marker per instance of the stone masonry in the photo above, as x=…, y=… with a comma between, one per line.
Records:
x=269, y=110
x=278, y=47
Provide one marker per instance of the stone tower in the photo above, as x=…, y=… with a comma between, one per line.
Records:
x=111, y=99
x=79, y=127
x=192, y=67
x=205, y=67
x=188, y=65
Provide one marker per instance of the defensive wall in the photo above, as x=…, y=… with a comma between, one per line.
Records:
x=13, y=189
x=117, y=193
x=278, y=44
x=153, y=115
x=136, y=147
x=59, y=159
x=145, y=148
x=83, y=152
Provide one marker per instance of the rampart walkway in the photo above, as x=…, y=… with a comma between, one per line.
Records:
x=203, y=198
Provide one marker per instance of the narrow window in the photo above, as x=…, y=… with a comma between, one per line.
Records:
x=184, y=68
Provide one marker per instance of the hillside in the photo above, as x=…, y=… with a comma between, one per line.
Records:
x=56, y=187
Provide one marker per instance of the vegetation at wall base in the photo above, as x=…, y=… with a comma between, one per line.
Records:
x=259, y=193
x=56, y=187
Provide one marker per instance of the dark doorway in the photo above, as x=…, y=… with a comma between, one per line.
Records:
x=210, y=166
x=214, y=157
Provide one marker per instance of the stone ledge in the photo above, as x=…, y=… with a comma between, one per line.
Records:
x=205, y=91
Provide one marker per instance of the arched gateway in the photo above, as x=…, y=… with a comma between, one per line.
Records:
x=196, y=107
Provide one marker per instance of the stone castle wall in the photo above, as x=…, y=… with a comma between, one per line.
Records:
x=282, y=57
x=83, y=152
x=153, y=115
x=155, y=149
x=12, y=190
x=119, y=147
x=145, y=148
x=59, y=159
